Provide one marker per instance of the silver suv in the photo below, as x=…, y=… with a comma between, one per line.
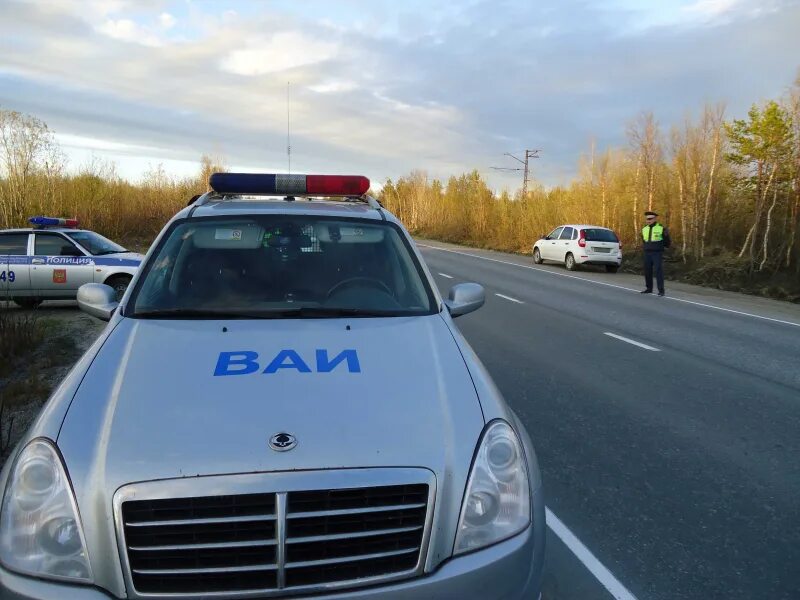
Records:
x=280, y=405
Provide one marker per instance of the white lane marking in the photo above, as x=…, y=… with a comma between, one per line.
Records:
x=620, y=287
x=737, y=312
x=509, y=298
x=589, y=560
x=630, y=341
x=446, y=275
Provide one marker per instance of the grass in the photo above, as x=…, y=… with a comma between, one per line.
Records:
x=29, y=347
x=20, y=334
x=24, y=390
x=724, y=271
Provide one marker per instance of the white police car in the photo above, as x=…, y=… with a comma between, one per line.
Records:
x=280, y=405
x=54, y=258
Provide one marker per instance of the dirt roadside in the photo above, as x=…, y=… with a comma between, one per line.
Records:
x=26, y=381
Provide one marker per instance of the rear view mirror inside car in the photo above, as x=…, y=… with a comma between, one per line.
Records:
x=289, y=241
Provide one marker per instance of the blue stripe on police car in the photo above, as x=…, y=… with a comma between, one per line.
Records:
x=79, y=261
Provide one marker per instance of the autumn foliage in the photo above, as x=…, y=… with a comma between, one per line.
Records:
x=726, y=188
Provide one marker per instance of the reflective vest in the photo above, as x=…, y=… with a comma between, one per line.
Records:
x=656, y=233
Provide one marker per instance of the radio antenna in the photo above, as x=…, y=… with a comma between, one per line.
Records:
x=288, y=130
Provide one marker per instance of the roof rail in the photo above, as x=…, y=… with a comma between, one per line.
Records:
x=201, y=200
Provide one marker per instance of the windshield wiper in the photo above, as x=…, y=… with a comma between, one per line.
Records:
x=104, y=252
x=301, y=312
x=202, y=313
x=312, y=312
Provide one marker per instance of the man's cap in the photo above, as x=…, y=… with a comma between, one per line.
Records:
x=650, y=213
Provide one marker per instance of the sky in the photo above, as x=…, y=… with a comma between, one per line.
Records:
x=381, y=87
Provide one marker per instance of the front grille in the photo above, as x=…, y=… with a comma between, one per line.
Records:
x=274, y=542
x=211, y=544
x=339, y=535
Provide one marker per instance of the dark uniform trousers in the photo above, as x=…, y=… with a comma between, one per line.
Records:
x=653, y=261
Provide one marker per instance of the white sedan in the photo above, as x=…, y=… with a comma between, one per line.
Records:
x=576, y=245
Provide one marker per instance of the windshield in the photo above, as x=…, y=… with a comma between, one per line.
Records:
x=278, y=266
x=600, y=235
x=95, y=243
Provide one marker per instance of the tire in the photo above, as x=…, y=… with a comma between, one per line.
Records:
x=570, y=263
x=29, y=303
x=537, y=256
x=612, y=268
x=119, y=283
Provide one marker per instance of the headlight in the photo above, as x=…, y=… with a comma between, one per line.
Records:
x=497, y=503
x=40, y=530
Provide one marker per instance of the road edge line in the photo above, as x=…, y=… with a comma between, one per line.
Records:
x=585, y=556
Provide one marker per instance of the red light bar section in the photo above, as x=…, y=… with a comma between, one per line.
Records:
x=337, y=185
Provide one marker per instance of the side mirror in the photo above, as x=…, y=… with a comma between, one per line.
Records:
x=465, y=298
x=98, y=300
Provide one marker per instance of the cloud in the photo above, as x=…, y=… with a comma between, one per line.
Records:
x=166, y=20
x=710, y=8
x=127, y=31
x=333, y=86
x=281, y=52
x=383, y=88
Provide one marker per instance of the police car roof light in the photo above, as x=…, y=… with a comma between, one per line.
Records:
x=52, y=222
x=290, y=185
x=337, y=185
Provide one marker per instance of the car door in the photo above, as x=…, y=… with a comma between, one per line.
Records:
x=58, y=266
x=14, y=269
x=548, y=249
x=563, y=244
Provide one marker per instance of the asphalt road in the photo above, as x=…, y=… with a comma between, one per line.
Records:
x=677, y=465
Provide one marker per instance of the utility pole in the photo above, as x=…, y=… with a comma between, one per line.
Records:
x=525, y=168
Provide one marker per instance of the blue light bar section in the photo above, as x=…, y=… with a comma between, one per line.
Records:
x=46, y=221
x=243, y=183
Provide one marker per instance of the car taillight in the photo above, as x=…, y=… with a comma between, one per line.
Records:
x=582, y=239
x=619, y=240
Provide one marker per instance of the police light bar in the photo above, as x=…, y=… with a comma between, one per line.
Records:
x=52, y=222
x=302, y=185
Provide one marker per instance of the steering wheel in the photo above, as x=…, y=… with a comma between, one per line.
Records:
x=376, y=283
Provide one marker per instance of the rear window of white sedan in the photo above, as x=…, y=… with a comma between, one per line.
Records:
x=600, y=235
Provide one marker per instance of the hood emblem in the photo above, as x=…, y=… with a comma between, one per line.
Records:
x=281, y=442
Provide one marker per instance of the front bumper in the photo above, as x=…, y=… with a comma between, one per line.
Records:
x=508, y=570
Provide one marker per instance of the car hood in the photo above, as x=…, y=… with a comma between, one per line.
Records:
x=120, y=258
x=163, y=400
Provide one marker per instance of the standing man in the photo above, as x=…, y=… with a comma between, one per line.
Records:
x=656, y=238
